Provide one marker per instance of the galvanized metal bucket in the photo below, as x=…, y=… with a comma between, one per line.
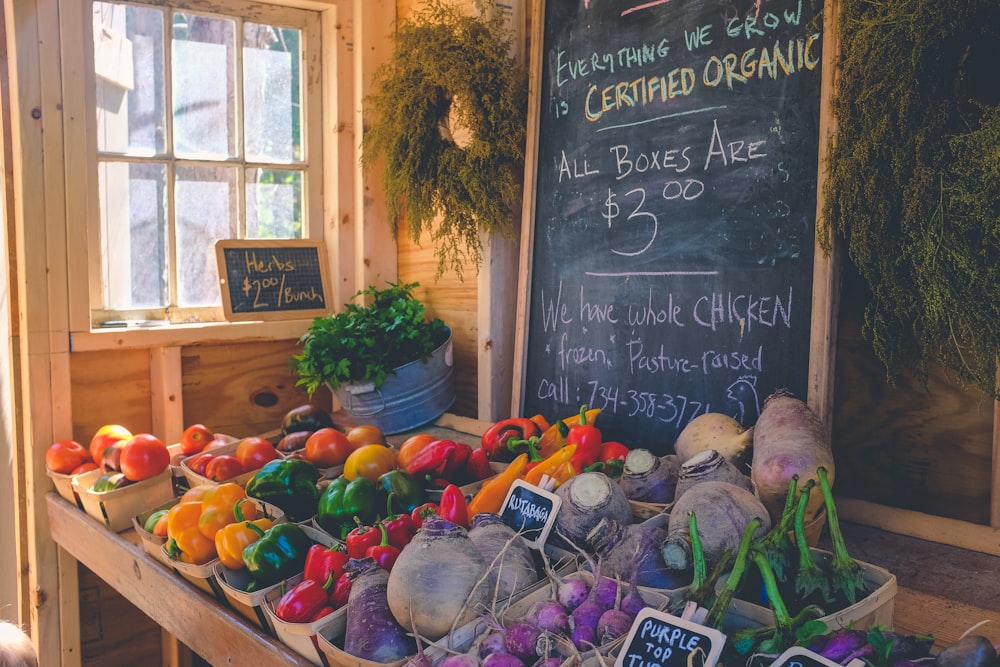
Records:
x=419, y=392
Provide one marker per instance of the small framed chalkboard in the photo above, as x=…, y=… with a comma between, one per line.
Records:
x=657, y=638
x=273, y=279
x=531, y=511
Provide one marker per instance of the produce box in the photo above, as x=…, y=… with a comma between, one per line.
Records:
x=250, y=604
x=330, y=641
x=194, y=479
x=153, y=544
x=303, y=638
x=115, y=509
x=64, y=487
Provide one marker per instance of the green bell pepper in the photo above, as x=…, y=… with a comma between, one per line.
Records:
x=289, y=484
x=406, y=492
x=342, y=501
x=277, y=555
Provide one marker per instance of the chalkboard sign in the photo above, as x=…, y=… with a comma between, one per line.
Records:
x=662, y=640
x=798, y=656
x=273, y=279
x=531, y=511
x=671, y=192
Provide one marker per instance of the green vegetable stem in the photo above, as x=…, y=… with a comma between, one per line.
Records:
x=847, y=576
x=810, y=577
x=775, y=545
x=718, y=609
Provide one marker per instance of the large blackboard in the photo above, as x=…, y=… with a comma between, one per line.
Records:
x=672, y=228
x=272, y=279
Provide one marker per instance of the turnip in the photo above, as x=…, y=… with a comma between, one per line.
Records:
x=550, y=616
x=707, y=466
x=788, y=439
x=586, y=499
x=502, y=660
x=649, y=478
x=371, y=631
x=510, y=565
x=612, y=624
x=521, y=639
x=571, y=593
x=723, y=511
x=969, y=651
x=713, y=430
x=492, y=642
x=460, y=660
x=634, y=547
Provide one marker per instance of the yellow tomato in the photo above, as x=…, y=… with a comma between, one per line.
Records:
x=369, y=461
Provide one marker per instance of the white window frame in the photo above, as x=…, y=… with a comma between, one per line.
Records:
x=328, y=97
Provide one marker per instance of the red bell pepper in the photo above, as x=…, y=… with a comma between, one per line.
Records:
x=301, y=602
x=477, y=468
x=399, y=526
x=359, y=539
x=496, y=437
x=421, y=512
x=323, y=562
x=440, y=459
x=383, y=553
x=612, y=458
x=341, y=591
x=454, y=506
x=320, y=613
x=587, y=439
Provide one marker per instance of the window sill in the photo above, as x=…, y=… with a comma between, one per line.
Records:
x=132, y=338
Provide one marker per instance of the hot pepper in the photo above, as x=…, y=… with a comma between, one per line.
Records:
x=301, y=602
x=495, y=438
x=218, y=508
x=322, y=562
x=587, y=439
x=453, y=506
x=549, y=465
x=289, y=484
x=278, y=554
x=440, y=459
x=421, y=512
x=477, y=468
x=404, y=489
x=359, y=539
x=562, y=474
x=399, y=526
x=554, y=437
x=383, y=553
x=185, y=542
x=341, y=590
x=343, y=500
x=490, y=497
x=231, y=540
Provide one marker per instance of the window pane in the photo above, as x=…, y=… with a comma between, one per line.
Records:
x=128, y=61
x=271, y=98
x=205, y=207
x=203, y=63
x=274, y=204
x=133, y=235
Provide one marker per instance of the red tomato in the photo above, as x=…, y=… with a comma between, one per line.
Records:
x=107, y=435
x=197, y=463
x=254, y=452
x=194, y=438
x=411, y=446
x=63, y=456
x=144, y=456
x=365, y=434
x=86, y=466
x=223, y=467
x=215, y=443
x=328, y=447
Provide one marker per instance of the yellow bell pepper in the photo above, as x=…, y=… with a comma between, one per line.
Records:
x=231, y=540
x=185, y=542
x=218, y=508
x=490, y=496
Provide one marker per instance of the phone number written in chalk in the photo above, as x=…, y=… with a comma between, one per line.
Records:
x=667, y=408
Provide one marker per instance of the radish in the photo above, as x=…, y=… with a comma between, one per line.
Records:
x=788, y=439
x=713, y=430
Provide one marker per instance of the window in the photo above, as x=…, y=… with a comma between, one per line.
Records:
x=202, y=134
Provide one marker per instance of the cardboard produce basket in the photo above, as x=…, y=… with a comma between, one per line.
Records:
x=115, y=509
x=64, y=487
x=303, y=638
x=153, y=544
x=194, y=479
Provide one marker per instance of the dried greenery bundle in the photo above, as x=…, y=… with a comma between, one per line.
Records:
x=449, y=71
x=914, y=180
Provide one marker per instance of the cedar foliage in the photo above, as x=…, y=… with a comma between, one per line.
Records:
x=446, y=70
x=914, y=180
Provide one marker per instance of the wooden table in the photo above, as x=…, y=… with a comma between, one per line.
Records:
x=209, y=628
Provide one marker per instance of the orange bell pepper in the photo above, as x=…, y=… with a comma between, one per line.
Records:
x=549, y=465
x=554, y=437
x=490, y=497
x=218, y=508
x=185, y=542
x=231, y=540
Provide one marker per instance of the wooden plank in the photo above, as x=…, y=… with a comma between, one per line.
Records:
x=946, y=620
x=995, y=475
x=134, y=338
x=220, y=636
x=110, y=388
x=974, y=537
x=166, y=395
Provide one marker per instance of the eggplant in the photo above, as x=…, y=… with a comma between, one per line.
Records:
x=306, y=417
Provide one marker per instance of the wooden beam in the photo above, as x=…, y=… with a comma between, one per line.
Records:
x=40, y=239
x=166, y=393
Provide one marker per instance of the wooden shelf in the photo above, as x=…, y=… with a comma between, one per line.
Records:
x=210, y=629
